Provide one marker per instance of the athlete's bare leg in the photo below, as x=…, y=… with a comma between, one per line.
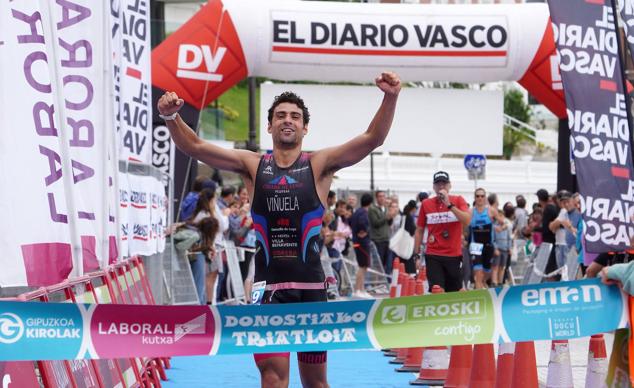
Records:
x=478, y=277
x=313, y=375
x=248, y=287
x=274, y=372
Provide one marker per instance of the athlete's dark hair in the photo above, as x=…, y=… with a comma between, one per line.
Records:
x=366, y=199
x=291, y=98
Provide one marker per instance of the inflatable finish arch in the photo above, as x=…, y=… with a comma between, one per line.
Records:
x=229, y=40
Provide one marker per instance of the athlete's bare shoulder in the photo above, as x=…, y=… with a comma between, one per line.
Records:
x=250, y=161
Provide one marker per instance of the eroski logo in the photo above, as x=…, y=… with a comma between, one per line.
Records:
x=190, y=57
x=393, y=314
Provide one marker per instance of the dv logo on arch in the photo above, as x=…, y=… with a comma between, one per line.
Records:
x=191, y=56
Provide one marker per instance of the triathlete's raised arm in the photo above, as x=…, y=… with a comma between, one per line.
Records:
x=186, y=140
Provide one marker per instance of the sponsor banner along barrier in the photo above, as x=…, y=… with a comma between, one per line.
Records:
x=229, y=40
x=31, y=331
x=592, y=75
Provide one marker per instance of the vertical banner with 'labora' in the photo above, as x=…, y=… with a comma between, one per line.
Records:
x=591, y=72
x=52, y=149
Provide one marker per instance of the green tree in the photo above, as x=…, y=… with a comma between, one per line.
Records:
x=516, y=107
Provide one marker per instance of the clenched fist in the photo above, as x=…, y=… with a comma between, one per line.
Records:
x=169, y=103
x=389, y=83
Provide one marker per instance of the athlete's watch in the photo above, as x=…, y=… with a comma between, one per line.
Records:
x=450, y=206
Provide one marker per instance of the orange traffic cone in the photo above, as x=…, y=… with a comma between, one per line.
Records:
x=413, y=356
x=459, y=366
x=397, y=282
x=597, y=362
x=433, y=370
x=559, y=368
x=483, y=368
x=422, y=275
x=409, y=286
x=525, y=366
x=395, y=271
x=420, y=289
x=505, y=365
x=435, y=364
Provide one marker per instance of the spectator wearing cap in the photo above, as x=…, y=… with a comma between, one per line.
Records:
x=559, y=226
x=189, y=203
x=444, y=216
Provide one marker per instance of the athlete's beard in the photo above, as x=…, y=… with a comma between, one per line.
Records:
x=287, y=142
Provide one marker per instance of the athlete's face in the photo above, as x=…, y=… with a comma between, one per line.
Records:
x=287, y=125
x=480, y=197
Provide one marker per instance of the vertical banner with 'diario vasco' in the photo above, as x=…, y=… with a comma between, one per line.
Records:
x=591, y=72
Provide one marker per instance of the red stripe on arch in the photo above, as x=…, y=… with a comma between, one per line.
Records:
x=397, y=53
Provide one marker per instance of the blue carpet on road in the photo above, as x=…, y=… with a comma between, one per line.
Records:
x=345, y=369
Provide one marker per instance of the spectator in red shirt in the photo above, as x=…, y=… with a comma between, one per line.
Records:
x=444, y=216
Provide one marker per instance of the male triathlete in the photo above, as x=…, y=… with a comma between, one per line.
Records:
x=481, y=238
x=288, y=190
